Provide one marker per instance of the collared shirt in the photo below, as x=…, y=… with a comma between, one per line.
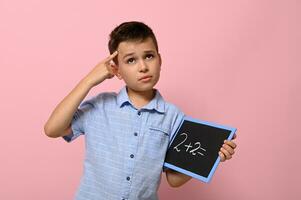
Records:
x=125, y=146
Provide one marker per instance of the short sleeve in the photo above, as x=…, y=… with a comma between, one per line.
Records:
x=79, y=119
x=179, y=117
x=177, y=120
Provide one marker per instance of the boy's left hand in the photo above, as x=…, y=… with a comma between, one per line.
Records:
x=227, y=150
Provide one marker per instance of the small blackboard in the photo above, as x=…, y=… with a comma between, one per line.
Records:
x=194, y=148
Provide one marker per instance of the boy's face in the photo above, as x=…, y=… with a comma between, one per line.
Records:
x=139, y=64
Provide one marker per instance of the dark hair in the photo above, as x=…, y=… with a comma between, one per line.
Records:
x=130, y=31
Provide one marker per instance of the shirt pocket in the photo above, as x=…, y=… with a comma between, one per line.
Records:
x=156, y=142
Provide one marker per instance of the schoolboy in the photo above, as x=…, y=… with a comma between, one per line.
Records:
x=126, y=133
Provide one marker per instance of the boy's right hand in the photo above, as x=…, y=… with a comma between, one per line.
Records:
x=102, y=71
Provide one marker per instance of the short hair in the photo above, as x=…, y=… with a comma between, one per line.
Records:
x=130, y=31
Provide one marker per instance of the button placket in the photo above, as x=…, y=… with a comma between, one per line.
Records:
x=137, y=117
x=132, y=156
x=132, y=162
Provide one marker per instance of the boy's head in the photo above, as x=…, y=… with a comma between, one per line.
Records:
x=138, y=61
x=130, y=32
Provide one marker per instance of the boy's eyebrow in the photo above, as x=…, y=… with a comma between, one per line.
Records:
x=147, y=51
x=127, y=55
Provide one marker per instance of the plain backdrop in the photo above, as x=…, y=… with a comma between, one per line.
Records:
x=233, y=62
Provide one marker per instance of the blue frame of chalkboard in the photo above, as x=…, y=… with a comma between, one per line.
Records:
x=197, y=176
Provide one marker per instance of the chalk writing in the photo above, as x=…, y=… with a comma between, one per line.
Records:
x=196, y=147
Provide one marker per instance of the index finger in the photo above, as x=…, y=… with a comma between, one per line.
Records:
x=110, y=57
x=230, y=143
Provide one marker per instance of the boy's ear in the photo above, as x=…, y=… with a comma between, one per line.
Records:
x=160, y=59
x=115, y=69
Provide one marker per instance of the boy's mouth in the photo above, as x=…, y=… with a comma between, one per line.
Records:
x=145, y=78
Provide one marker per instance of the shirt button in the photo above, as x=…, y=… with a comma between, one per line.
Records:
x=135, y=134
x=128, y=178
x=139, y=113
x=132, y=155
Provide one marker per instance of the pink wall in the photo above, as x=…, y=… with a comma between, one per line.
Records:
x=231, y=62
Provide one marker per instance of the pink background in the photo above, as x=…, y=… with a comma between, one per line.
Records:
x=230, y=62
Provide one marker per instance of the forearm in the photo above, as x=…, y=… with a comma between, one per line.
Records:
x=176, y=179
x=60, y=118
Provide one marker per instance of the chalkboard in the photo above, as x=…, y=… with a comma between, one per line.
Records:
x=194, y=148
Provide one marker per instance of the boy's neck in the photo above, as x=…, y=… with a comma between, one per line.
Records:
x=140, y=99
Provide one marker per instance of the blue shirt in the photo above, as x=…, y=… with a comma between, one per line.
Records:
x=125, y=146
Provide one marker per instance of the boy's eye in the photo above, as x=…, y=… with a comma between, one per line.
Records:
x=130, y=60
x=149, y=56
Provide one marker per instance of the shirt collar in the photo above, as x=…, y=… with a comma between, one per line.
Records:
x=157, y=103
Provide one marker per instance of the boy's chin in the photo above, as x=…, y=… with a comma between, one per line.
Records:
x=141, y=89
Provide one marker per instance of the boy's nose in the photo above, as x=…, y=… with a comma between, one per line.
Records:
x=143, y=66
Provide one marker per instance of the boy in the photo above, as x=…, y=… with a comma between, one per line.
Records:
x=126, y=133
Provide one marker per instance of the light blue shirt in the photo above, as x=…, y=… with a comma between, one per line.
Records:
x=125, y=146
